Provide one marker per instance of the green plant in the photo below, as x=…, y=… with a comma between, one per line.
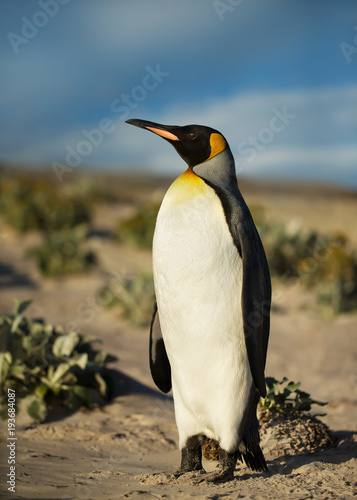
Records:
x=335, y=277
x=99, y=190
x=286, y=245
x=31, y=203
x=139, y=228
x=134, y=295
x=325, y=262
x=286, y=396
x=64, y=252
x=44, y=364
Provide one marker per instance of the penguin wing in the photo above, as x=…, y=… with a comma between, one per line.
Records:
x=256, y=286
x=256, y=299
x=159, y=362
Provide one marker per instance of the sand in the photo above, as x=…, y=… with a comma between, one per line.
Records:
x=128, y=448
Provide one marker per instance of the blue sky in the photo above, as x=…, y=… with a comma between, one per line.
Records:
x=272, y=76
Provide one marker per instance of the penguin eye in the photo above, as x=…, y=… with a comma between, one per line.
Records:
x=192, y=136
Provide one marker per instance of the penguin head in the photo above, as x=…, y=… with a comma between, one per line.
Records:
x=194, y=143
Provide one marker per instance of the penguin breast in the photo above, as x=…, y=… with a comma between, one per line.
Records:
x=197, y=273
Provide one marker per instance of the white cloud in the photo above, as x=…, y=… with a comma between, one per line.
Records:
x=320, y=142
x=328, y=163
x=323, y=133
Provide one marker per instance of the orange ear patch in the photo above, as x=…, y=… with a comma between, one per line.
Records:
x=218, y=144
x=164, y=133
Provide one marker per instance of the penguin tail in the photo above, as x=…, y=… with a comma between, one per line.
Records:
x=249, y=449
x=254, y=459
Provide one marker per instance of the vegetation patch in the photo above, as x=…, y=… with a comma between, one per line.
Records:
x=139, y=229
x=326, y=263
x=45, y=365
x=134, y=295
x=64, y=252
x=287, y=397
x=29, y=204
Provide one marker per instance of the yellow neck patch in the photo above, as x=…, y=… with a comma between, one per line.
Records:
x=185, y=188
x=218, y=144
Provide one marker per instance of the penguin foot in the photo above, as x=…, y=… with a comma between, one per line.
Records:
x=193, y=473
x=225, y=472
x=220, y=476
x=191, y=456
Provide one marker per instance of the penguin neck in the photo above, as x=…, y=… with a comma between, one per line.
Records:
x=219, y=171
x=185, y=188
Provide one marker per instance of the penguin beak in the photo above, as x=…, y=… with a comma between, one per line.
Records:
x=164, y=131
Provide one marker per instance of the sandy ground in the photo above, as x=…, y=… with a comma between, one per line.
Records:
x=128, y=448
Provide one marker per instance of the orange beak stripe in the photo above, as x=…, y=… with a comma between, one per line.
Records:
x=164, y=133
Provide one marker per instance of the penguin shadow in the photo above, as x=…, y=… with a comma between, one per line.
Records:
x=119, y=384
x=124, y=385
x=9, y=277
x=343, y=449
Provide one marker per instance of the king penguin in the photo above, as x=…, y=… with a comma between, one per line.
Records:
x=210, y=327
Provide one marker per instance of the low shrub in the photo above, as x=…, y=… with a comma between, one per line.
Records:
x=286, y=396
x=64, y=253
x=37, y=204
x=325, y=262
x=139, y=229
x=133, y=295
x=44, y=365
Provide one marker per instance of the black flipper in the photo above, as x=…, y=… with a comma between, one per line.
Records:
x=256, y=300
x=159, y=362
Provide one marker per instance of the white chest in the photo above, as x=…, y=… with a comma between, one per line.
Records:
x=197, y=269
